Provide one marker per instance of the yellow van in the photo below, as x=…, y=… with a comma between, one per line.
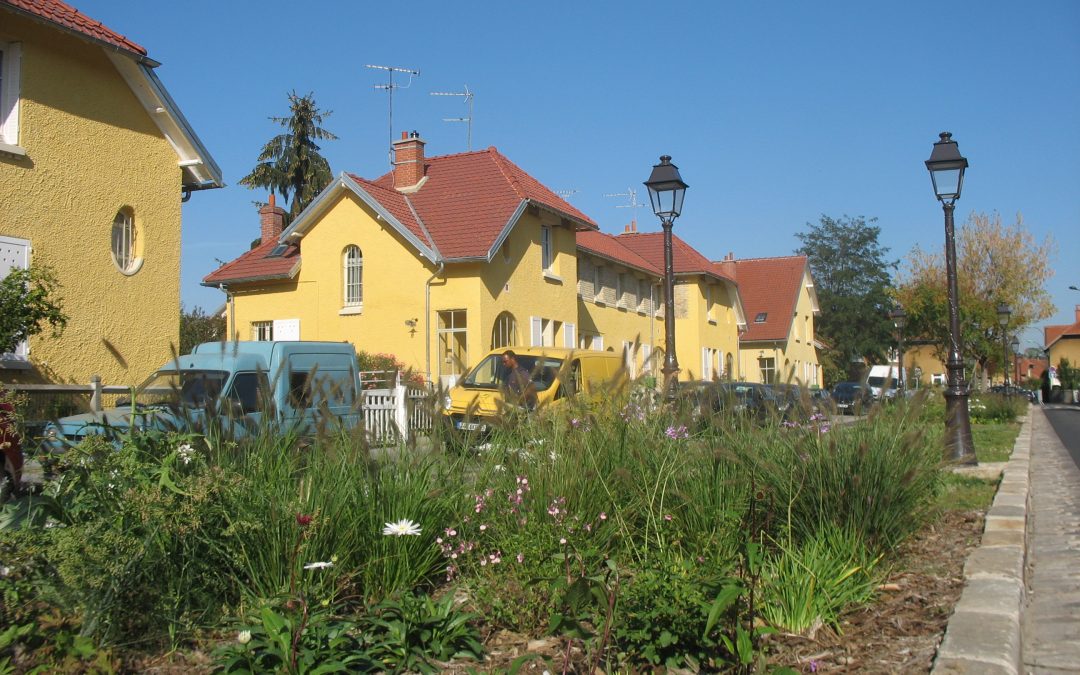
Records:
x=556, y=374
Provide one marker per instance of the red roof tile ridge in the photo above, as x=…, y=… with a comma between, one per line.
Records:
x=60, y=13
x=773, y=257
x=500, y=162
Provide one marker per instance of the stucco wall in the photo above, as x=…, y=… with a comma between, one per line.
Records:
x=91, y=149
x=795, y=356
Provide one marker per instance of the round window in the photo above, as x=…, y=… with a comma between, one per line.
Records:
x=126, y=243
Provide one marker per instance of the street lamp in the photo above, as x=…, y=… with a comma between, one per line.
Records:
x=947, y=166
x=1004, y=312
x=1015, y=344
x=666, y=192
x=899, y=318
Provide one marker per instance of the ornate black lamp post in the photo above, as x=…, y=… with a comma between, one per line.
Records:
x=666, y=192
x=1015, y=344
x=899, y=317
x=947, y=167
x=1004, y=312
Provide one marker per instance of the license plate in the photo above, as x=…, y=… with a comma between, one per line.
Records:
x=469, y=426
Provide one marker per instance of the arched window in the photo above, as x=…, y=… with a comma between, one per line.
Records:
x=353, y=276
x=729, y=366
x=125, y=242
x=504, y=332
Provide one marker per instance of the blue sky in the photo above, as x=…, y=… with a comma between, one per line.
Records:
x=775, y=112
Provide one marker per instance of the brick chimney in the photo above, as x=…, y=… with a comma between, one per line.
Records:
x=727, y=265
x=408, y=160
x=271, y=220
x=1077, y=310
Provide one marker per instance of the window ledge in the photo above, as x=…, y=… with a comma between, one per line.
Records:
x=550, y=276
x=351, y=309
x=712, y=321
x=12, y=150
x=600, y=302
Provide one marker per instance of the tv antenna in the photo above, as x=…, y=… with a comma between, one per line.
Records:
x=389, y=88
x=632, y=203
x=565, y=194
x=468, y=96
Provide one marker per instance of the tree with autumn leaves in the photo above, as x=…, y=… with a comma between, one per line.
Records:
x=996, y=263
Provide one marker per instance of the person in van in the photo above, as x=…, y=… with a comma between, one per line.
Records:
x=519, y=385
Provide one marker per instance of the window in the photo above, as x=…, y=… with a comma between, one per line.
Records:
x=544, y=331
x=767, y=366
x=126, y=244
x=262, y=331
x=761, y=316
x=709, y=304
x=644, y=293
x=353, y=277
x=453, y=347
x=729, y=366
x=14, y=255
x=504, y=333
x=249, y=392
x=591, y=341
x=547, y=253
x=10, y=55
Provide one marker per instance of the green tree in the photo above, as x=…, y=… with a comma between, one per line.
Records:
x=995, y=264
x=197, y=327
x=290, y=164
x=852, y=280
x=28, y=302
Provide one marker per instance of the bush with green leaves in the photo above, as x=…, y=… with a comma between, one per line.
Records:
x=996, y=407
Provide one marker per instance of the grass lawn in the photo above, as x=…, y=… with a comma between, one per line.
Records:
x=994, y=441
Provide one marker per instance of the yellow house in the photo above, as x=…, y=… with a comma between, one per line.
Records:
x=708, y=307
x=1063, y=342
x=95, y=159
x=778, y=344
x=436, y=262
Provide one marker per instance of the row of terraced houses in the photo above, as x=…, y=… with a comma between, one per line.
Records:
x=436, y=262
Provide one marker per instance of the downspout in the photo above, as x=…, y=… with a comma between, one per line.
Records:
x=427, y=318
x=230, y=322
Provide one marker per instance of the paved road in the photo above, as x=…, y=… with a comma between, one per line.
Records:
x=1051, y=623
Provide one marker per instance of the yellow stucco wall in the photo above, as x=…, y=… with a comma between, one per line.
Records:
x=91, y=149
x=704, y=318
x=1068, y=348
x=392, y=318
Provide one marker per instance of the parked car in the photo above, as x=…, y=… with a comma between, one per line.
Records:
x=851, y=397
x=751, y=399
x=240, y=385
x=884, y=381
x=1013, y=390
x=556, y=375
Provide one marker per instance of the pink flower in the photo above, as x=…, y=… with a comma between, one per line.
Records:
x=667, y=516
x=603, y=516
x=303, y=520
x=521, y=557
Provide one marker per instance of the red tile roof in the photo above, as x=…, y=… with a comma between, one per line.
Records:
x=462, y=207
x=256, y=265
x=770, y=286
x=467, y=201
x=66, y=16
x=684, y=258
x=609, y=246
x=1052, y=334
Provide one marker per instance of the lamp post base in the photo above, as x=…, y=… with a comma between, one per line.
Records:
x=959, y=448
x=671, y=382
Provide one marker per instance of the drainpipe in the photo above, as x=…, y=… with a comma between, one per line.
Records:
x=427, y=318
x=230, y=322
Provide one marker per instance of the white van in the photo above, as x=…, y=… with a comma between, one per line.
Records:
x=884, y=381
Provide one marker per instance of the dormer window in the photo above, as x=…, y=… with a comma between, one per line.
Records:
x=761, y=316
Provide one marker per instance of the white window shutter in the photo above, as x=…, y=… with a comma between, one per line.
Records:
x=598, y=343
x=536, y=326
x=9, y=96
x=569, y=335
x=286, y=329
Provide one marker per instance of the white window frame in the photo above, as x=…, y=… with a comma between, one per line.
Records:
x=125, y=247
x=352, y=279
x=598, y=285
x=20, y=259
x=547, y=257
x=262, y=331
x=10, y=71
x=569, y=335
x=709, y=304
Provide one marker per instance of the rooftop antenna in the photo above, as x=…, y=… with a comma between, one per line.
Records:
x=631, y=195
x=565, y=194
x=468, y=95
x=389, y=87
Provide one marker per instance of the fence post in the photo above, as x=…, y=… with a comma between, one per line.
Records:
x=95, y=393
x=401, y=405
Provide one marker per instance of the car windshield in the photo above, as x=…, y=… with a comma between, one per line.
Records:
x=187, y=388
x=847, y=388
x=492, y=374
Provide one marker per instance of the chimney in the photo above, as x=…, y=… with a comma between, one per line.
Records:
x=727, y=265
x=408, y=160
x=1077, y=310
x=271, y=220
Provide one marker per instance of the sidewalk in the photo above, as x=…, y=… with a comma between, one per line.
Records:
x=1020, y=610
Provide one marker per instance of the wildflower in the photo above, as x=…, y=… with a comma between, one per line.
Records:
x=483, y=527
x=562, y=541
x=520, y=557
x=318, y=565
x=603, y=515
x=243, y=637
x=303, y=520
x=675, y=433
x=667, y=516
x=186, y=453
x=404, y=527
x=813, y=666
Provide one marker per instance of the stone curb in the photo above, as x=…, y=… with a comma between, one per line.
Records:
x=984, y=631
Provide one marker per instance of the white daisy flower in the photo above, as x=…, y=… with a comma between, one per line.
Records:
x=318, y=565
x=244, y=637
x=401, y=528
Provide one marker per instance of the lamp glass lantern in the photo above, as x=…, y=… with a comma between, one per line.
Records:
x=1004, y=312
x=947, y=166
x=1015, y=344
x=899, y=317
x=666, y=189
